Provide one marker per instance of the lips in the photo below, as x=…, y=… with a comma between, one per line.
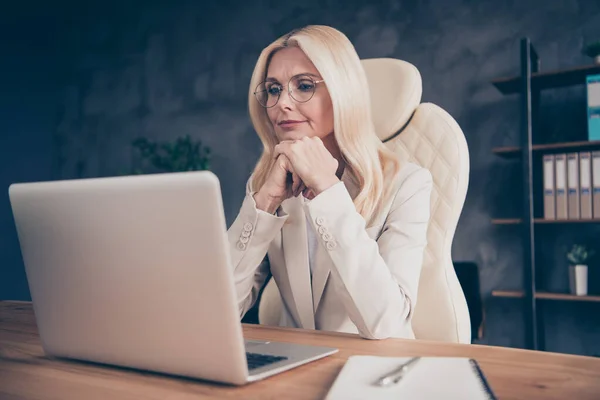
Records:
x=289, y=122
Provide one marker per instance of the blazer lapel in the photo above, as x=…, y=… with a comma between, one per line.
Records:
x=320, y=275
x=322, y=260
x=295, y=249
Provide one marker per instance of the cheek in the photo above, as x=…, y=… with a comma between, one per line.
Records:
x=271, y=113
x=326, y=115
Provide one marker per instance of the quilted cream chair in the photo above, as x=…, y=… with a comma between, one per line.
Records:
x=426, y=135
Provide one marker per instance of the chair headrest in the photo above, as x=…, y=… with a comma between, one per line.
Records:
x=396, y=88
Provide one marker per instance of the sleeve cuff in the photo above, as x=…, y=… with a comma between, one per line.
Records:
x=254, y=228
x=330, y=199
x=329, y=212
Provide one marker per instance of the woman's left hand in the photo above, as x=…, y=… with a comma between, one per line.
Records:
x=311, y=160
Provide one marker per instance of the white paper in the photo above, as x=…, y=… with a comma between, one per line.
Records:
x=593, y=94
x=430, y=378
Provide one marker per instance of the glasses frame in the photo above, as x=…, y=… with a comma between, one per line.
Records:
x=316, y=82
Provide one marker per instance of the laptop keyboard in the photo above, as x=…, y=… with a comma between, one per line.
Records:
x=256, y=360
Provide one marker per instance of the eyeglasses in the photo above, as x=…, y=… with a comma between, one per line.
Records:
x=301, y=88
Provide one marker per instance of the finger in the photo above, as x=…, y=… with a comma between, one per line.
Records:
x=301, y=188
x=296, y=184
x=287, y=163
x=282, y=148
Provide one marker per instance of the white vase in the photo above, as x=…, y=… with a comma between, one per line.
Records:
x=578, y=279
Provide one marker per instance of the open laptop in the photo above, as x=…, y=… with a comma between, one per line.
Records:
x=135, y=271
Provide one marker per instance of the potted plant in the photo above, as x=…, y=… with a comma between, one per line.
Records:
x=182, y=154
x=579, y=256
x=593, y=50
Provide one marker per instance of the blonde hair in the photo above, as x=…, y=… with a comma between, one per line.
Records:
x=334, y=56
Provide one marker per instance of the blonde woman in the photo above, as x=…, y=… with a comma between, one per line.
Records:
x=328, y=210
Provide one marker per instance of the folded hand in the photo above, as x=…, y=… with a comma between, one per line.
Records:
x=311, y=162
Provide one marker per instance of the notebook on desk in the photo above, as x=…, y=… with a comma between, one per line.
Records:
x=428, y=378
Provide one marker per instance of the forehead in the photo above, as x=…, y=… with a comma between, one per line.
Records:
x=289, y=62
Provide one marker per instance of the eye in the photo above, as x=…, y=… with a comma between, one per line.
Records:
x=274, y=90
x=305, y=85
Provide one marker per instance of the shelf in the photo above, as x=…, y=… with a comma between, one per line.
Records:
x=514, y=152
x=548, y=80
x=513, y=294
x=564, y=296
x=566, y=221
x=506, y=221
x=517, y=294
x=516, y=221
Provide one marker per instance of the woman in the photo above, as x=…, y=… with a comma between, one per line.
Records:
x=329, y=211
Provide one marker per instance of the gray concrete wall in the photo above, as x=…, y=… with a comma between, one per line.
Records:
x=162, y=71
x=28, y=107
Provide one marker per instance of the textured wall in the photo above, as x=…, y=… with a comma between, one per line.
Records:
x=27, y=120
x=161, y=71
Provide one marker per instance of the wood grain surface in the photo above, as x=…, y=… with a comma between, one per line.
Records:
x=26, y=373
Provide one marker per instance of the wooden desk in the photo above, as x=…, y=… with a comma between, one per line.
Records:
x=513, y=374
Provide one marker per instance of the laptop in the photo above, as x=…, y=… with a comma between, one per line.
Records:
x=134, y=271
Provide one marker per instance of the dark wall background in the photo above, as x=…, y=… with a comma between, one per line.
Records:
x=81, y=82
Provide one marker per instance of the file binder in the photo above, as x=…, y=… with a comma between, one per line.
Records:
x=593, y=106
x=429, y=378
x=573, y=185
x=560, y=162
x=549, y=195
x=596, y=183
x=585, y=184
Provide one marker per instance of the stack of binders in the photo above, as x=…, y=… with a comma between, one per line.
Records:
x=572, y=185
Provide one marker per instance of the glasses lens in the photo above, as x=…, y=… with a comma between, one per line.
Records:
x=267, y=93
x=302, y=88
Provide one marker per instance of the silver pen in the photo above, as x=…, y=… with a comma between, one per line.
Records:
x=396, y=375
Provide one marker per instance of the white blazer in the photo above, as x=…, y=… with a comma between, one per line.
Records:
x=365, y=279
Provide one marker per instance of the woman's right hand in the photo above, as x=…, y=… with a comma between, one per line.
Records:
x=281, y=184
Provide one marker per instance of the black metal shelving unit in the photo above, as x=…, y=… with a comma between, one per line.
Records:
x=529, y=85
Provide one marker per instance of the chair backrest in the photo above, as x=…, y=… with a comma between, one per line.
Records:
x=426, y=135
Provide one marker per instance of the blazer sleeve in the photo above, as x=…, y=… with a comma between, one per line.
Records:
x=376, y=280
x=249, y=237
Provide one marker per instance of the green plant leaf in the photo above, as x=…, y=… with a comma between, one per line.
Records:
x=181, y=154
x=592, y=49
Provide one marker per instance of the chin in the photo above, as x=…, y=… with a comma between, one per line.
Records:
x=292, y=135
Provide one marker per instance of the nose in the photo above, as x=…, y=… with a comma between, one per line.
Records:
x=285, y=100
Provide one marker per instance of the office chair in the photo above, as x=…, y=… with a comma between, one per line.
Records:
x=424, y=134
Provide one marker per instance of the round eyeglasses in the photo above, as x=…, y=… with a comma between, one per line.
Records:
x=301, y=88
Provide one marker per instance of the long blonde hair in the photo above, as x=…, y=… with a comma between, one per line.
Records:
x=333, y=55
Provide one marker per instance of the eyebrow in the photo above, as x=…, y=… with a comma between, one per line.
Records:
x=271, y=79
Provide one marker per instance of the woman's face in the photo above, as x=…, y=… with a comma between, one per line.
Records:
x=293, y=119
